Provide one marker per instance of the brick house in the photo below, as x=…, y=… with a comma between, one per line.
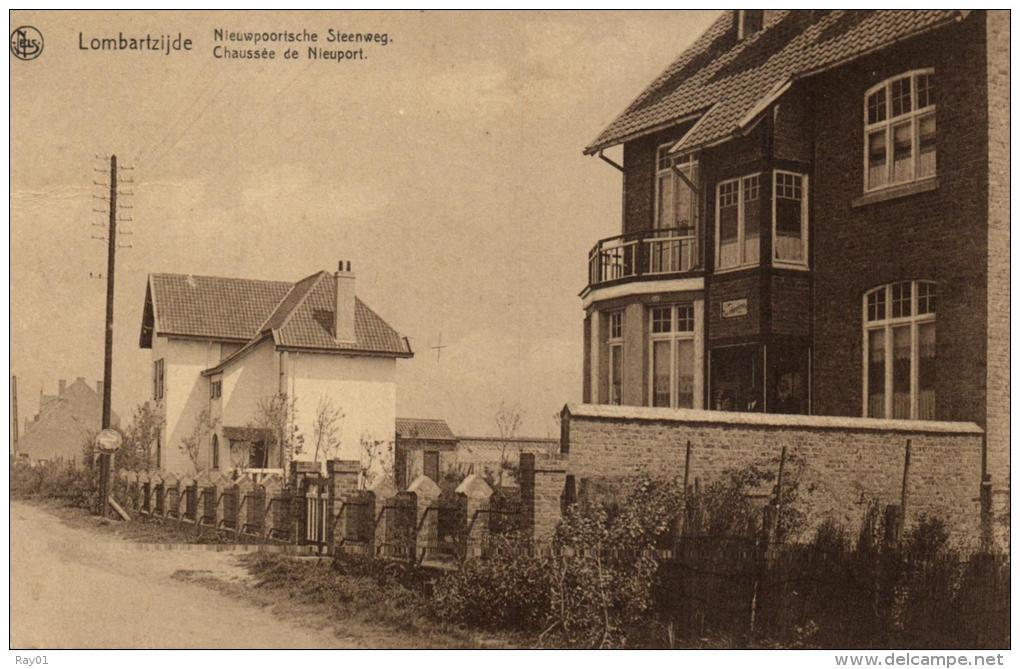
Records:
x=815, y=221
x=224, y=347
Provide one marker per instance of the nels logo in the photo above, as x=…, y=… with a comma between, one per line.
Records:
x=26, y=43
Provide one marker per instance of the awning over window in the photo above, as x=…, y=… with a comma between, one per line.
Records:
x=247, y=434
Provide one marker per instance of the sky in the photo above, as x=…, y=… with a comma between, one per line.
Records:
x=446, y=166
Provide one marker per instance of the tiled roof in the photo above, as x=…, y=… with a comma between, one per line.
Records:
x=428, y=429
x=296, y=315
x=310, y=324
x=720, y=80
x=212, y=306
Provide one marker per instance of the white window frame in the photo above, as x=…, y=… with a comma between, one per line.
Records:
x=614, y=344
x=791, y=264
x=741, y=224
x=686, y=163
x=886, y=324
x=887, y=124
x=673, y=337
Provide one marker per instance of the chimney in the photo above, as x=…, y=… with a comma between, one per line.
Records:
x=344, y=317
x=63, y=387
x=99, y=388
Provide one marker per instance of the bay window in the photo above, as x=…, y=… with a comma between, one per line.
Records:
x=672, y=356
x=790, y=219
x=899, y=351
x=738, y=221
x=899, y=130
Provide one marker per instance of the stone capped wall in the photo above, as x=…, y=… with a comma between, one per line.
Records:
x=845, y=463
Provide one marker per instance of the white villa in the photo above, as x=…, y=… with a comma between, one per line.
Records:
x=224, y=349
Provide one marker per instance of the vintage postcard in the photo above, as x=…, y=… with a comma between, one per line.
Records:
x=511, y=330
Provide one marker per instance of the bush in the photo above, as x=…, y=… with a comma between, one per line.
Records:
x=508, y=589
x=55, y=480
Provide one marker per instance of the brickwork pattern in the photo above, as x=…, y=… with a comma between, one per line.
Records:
x=844, y=469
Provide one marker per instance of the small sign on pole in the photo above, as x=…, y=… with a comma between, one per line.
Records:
x=107, y=442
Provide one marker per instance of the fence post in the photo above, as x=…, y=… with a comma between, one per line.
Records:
x=426, y=526
x=477, y=494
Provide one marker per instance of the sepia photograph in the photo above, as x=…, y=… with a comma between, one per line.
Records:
x=510, y=330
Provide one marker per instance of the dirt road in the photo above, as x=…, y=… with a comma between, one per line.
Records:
x=82, y=588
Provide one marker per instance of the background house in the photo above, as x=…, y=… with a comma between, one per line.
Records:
x=225, y=351
x=428, y=446
x=64, y=421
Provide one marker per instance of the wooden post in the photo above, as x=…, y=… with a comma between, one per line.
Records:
x=687, y=475
x=904, y=490
x=774, y=529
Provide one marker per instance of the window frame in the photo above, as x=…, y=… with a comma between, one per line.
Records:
x=216, y=389
x=886, y=324
x=690, y=168
x=673, y=336
x=614, y=346
x=804, y=221
x=741, y=223
x=889, y=122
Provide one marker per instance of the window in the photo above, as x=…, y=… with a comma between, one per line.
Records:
x=738, y=219
x=899, y=130
x=215, y=452
x=159, y=449
x=790, y=219
x=672, y=356
x=615, y=342
x=431, y=465
x=899, y=351
x=157, y=379
x=215, y=390
x=676, y=205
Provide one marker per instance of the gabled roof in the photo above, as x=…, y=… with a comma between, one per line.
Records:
x=209, y=307
x=720, y=81
x=426, y=429
x=296, y=315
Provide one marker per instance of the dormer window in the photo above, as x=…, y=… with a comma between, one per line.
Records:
x=749, y=21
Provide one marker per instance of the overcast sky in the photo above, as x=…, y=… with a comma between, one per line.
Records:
x=446, y=166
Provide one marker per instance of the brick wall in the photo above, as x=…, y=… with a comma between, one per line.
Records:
x=790, y=301
x=725, y=288
x=997, y=414
x=847, y=461
x=939, y=235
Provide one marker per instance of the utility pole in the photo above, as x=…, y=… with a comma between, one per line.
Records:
x=14, y=416
x=111, y=255
x=106, y=459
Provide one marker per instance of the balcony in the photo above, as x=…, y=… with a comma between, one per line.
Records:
x=646, y=254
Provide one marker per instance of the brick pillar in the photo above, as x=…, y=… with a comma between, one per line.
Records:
x=477, y=494
x=427, y=495
x=543, y=480
x=343, y=476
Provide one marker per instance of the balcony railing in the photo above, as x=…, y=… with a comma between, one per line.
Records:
x=645, y=253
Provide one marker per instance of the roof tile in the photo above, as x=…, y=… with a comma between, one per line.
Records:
x=733, y=76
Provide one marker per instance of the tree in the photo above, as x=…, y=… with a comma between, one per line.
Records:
x=192, y=444
x=508, y=422
x=139, y=436
x=375, y=455
x=326, y=429
x=274, y=426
